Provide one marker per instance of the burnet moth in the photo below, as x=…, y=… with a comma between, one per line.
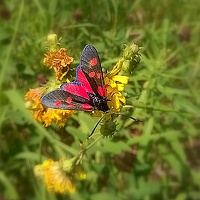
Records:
x=87, y=92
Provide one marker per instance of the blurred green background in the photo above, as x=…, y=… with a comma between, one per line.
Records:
x=157, y=159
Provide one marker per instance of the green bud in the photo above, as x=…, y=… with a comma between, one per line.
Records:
x=131, y=58
x=108, y=128
x=53, y=44
x=68, y=164
x=126, y=65
x=130, y=51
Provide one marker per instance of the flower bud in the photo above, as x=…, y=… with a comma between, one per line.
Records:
x=130, y=51
x=69, y=164
x=108, y=128
x=53, y=44
x=131, y=58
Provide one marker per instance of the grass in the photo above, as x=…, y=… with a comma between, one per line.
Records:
x=157, y=159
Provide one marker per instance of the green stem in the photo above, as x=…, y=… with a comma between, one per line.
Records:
x=162, y=109
x=93, y=143
x=5, y=64
x=79, y=156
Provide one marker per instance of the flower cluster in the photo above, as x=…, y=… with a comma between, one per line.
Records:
x=57, y=59
x=114, y=86
x=59, y=175
x=42, y=114
x=115, y=82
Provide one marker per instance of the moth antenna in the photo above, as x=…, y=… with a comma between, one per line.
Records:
x=97, y=124
x=137, y=120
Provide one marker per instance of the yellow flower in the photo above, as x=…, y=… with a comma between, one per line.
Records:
x=59, y=61
x=42, y=114
x=59, y=175
x=33, y=103
x=57, y=116
x=115, y=82
x=57, y=57
x=114, y=85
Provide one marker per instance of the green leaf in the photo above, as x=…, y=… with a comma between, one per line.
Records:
x=179, y=151
x=103, y=195
x=172, y=161
x=114, y=147
x=10, y=187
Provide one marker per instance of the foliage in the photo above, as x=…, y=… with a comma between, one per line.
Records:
x=157, y=158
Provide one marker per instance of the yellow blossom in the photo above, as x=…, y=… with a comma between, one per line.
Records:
x=33, y=97
x=59, y=176
x=59, y=61
x=42, y=114
x=114, y=85
x=114, y=80
x=57, y=116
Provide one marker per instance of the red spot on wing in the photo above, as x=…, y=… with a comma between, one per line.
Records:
x=69, y=100
x=87, y=107
x=92, y=74
x=100, y=90
x=71, y=106
x=84, y=81
x=99, y=75
x=76, y=89
x=57, y=103
x=93, y=62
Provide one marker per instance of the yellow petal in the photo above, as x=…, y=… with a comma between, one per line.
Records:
x=120, y=87
x=121, y=79
x=80, y=172
x=116, y=69
x=121, y=98
x=113, y=84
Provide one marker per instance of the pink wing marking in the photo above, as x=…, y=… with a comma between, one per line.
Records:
x=92, y=74
x=69, y=100
x=87, y=107
x=93, y=62
x=71, y=106
x=99, y=75
x=57, y=103
x=75, y=89
x=102, y=90
x=84, y=81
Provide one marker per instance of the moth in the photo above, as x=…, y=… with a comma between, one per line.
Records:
x=87, y=92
